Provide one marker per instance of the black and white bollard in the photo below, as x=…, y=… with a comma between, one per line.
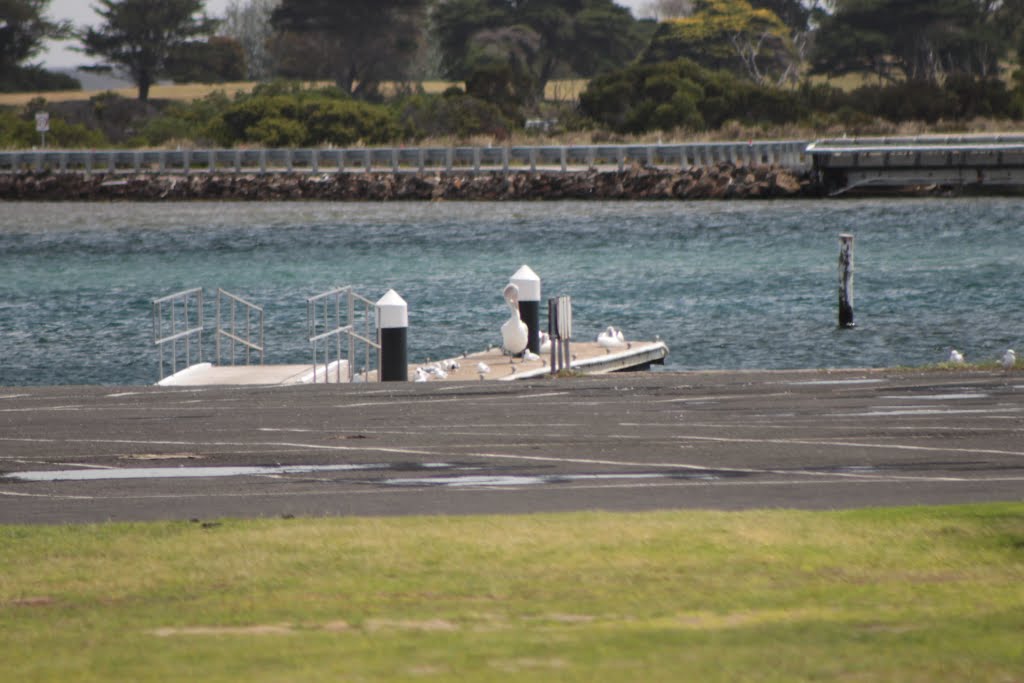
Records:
x=846, y=281
x=528, y=283
x=392, y=332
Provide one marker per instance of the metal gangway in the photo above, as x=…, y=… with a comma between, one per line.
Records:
x=336, y=319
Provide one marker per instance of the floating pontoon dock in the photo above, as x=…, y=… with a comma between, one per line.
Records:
x=589, y=358
x=986, y=161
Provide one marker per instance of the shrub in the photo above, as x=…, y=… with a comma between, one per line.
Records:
x=454, y=114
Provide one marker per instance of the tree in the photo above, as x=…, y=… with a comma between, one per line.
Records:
x=733, y=35
x=661, y=10
x=249, y=24
x=356, y=43
x=579, y=36
x=23, y=28
x=140, y=36
x=917, y=40
x=216, y=60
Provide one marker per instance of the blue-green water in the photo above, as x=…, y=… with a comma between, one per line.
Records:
x=725, y=284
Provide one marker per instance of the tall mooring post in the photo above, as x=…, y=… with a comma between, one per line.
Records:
x=528, y=283
x=846, y=281
x=393, y=334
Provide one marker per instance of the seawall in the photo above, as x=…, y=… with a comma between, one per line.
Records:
x=719, y=181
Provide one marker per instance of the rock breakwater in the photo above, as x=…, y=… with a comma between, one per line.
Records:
x=722, y=181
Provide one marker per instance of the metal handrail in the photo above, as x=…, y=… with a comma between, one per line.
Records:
x=553, y=158
x=170, y=311
x=251, y=312
x=327, y=303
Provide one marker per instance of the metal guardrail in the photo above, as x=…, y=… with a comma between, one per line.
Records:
x=325, y=324
x=177, y=320
x=787, y=153
x=252, y=314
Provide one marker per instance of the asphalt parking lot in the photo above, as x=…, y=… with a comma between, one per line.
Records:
x=629, y=441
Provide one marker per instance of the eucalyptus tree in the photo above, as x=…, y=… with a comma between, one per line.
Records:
x=248, y=23
x=580, y=37
x=917, y=40
x=733, y=35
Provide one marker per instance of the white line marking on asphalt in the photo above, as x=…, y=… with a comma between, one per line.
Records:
x=846, y=444
x=42, y=409
x=19, y=494
x=936, y=397
x=193, y=472
x=363, y=491
x=884, y=411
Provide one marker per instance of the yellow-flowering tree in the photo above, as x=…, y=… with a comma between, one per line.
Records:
x=733, y=35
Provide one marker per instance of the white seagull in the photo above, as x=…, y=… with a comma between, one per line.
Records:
x=545, y=342
x=514, y=334
x=1009, y=359
x=482, y=369
x=956, y=357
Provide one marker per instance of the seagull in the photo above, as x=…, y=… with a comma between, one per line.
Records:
x=421, y=375
x=1009, y=359
x=436, y=371
x=530, y=355
x=545, y=342
x=514, y=334
x=611, y=338
x=956, y=357
x=482, y=369
x=451, y=365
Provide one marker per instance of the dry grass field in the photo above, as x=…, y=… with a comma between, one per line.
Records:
x=561, y=90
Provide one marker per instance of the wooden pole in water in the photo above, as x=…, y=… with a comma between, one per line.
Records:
x=846, y=281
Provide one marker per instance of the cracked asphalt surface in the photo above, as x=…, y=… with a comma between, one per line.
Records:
x=629, y=441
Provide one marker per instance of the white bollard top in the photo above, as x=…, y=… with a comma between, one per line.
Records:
x=528, y=283
x=392, y=311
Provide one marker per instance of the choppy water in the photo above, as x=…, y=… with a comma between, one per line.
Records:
x=726, y=284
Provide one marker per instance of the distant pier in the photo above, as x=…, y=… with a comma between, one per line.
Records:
x=993, y=162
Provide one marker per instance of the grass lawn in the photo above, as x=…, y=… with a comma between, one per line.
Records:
x=908, y=594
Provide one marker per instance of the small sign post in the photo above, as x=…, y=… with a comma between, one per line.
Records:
x=42, y=125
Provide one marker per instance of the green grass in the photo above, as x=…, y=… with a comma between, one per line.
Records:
x=910, y=594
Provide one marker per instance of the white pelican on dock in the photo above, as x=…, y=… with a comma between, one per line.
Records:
x=611, y=338
x=514, y=334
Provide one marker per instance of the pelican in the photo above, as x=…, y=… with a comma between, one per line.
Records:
x=1009, y=359
x=956, y=357
x=611, y=338
x=514, y=335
